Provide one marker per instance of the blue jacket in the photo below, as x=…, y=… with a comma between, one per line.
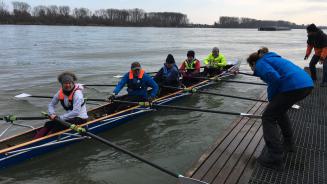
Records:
x=146, y=82
x=280, y=74
x=168, y=77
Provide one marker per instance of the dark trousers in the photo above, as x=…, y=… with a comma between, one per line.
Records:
x=54, y=126
x=275, y=115
x=211, y=71
x=313, y=70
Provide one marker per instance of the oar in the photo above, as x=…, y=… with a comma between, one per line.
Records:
x=24, y=95
x=193, y=90
x=12, y=118
x=226, y=80
x=248, y=74
x=147, y=104
x=82, y=131
x=106, y=85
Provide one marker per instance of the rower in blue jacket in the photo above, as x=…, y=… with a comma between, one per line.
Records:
x=168, y=75
x=138, y=83
x=287, y=84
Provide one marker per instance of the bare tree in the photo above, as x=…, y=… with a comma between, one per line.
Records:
x=64, y=11
x=3, y=9
x=39, y=11
x=21, y=8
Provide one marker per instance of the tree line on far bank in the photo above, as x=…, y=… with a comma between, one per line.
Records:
x=23, y=13
x=242, y=22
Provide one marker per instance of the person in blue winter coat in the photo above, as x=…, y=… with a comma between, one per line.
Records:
x=138, y=83
x=287, y=84
x=168, y=75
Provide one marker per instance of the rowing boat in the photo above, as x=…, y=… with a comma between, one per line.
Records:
x=22, y=146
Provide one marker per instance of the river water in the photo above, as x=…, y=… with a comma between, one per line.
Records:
x=31, y=57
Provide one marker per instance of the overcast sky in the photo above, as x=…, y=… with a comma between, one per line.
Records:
x=209, y=11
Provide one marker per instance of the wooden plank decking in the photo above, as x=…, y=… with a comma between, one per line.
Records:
x=230, y=159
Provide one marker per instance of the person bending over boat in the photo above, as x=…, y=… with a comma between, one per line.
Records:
x=190, y=69
x=214, y=63
x=168, y=75
x=287, y=84
x=138, y=83
x=317, y=40
x=71, y=98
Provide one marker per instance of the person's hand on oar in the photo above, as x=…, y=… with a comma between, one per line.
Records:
x=151, y=99
x=112, y=97
x=52, y=117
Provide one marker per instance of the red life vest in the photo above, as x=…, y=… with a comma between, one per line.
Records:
x=70, y=98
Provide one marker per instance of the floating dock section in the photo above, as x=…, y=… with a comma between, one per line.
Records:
x=232, y=158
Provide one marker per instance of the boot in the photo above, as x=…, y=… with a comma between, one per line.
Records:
x=288, y=145
x=271, y=160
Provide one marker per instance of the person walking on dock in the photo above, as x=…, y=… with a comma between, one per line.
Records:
x=138, y=83
x=317, y=40
x=214, y=62
x=287, y=84
x=71, y=98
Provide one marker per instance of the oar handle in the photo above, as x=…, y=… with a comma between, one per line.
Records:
x=107, y=142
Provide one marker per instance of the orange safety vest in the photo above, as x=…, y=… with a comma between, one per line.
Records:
x=70, y=98
x=131, y=76
x=134, y=85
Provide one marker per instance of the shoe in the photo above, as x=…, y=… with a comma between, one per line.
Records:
x=288, y=144
x=289, y=147
x=273, y=162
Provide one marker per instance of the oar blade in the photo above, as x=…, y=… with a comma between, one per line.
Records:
x=295, y=106
x=187, y=180
x=118, y=76
x=23, y=95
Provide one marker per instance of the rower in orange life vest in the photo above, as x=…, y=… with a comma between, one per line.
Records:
x=190, y=68
x=71, y=98
x=137, y=85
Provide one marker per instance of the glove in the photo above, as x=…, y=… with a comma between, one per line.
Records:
x=52, y=117
x=306, y=57
x=112, y=97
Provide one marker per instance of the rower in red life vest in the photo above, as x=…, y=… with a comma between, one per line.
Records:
x=190, y=68
x=138, y=83
x=71, y=98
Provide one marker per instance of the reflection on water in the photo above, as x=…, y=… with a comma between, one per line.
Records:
x=33, y=56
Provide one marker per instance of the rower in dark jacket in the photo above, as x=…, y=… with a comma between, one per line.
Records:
x=318, y=41
x=287, y=84
x=168, y=75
